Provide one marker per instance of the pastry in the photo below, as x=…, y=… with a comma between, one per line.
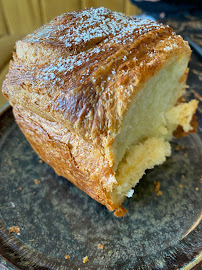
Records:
x=98, y=95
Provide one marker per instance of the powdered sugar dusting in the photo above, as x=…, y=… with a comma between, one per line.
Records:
x=94, y=24
x=61, y=67
x=83, y=35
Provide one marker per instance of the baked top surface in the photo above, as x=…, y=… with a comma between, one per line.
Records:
x=84, y=68
x=79, y=31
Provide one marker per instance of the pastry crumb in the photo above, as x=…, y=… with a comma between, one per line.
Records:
x=15, y=229
x=179, y=147
x=180, y=185
x=159, y=193
x=67, y=257
x=182, y=175
x=85, y=259
x=185, y=154
x=20, y=188
x=100, y=246
x=36, y=181
x=157, y=188
x=201, y=178
x=40, y=161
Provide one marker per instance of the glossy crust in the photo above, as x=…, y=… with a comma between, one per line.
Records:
x=79, y=74
x=69, y=156
x=84, y=68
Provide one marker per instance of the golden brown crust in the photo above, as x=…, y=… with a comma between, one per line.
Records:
x=68, y=155
x=85, y=75
x=71, y=83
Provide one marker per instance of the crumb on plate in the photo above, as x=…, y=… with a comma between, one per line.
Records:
x=36, y=181
x=100, y=246
x=15, y=229
x=159, y=193
x=85, y=259
x=67, y=257
x=157, y=188
x=179, y=147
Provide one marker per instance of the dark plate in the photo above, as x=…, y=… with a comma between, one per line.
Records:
x=56, y=218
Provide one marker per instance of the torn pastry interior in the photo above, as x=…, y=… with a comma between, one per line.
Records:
x=97, y=94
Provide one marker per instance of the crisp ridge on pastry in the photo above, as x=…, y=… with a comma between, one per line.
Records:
x=98, y=96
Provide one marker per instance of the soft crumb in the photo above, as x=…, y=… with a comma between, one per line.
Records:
x=197, y=188
x=15, y=229
x=67, y=257
x=180, y=185
x=36, y=181
x=201, y=178
x=85, y=259
x=100, y=246
x=20, y=188
x=182, y=175
x=185, y=154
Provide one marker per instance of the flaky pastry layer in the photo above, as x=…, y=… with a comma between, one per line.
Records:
x=75, y=85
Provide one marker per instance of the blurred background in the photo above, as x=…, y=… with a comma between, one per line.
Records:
x=169, y=8
x=20, y=17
